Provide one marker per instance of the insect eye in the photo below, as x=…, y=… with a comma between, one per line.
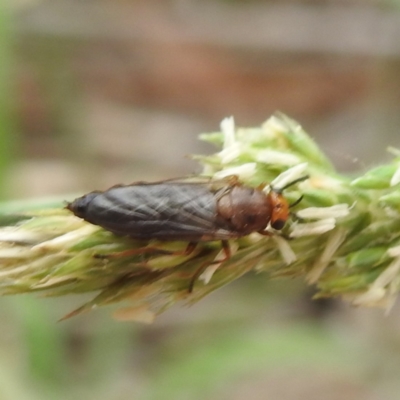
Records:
x=278, y=224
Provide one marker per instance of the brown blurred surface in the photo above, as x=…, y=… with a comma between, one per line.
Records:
x=124, y=82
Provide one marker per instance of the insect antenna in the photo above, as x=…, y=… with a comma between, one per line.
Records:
x=292, y=213
x=296, y=202
x=280, y=190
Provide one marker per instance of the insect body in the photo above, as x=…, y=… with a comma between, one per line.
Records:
x=188, y=211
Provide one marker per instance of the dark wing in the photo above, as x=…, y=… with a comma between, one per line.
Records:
x=214, y=184
x=165, y=211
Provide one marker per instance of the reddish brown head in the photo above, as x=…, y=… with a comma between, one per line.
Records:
x=279, y=205
x=279, y=209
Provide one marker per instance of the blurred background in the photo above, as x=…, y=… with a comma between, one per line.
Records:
x=99, y=92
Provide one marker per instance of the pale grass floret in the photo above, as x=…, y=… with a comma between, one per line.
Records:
x=244, y=171
x=335, y=240
x=336, y=211
x=326, y=217
x=390, y=212
x=228, y=129
x=16, y=235
x=286, y=251
x=230, y=153
x=394, y=251
x=276, y=157
x=289, y=176
x=326, y=182
x=231, y=148
x=13, y=272
x=273, y=127
x=68, y=239
x=207, y=275
x=312, y=228
x=28, y=265
x=390, y=276
x=220, y=257
x=373, y=297
x=396, y=177
x=381, y=291
x=15, y=252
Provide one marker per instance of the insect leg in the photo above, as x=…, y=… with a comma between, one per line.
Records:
x=149, y=249
x=189, y=250
x=227, y=252
x=281, y=234
x=132, y=252
x=265, y=233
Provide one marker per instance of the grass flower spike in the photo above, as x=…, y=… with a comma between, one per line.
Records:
x=344, y=235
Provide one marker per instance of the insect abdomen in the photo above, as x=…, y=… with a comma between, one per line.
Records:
x=156, y=211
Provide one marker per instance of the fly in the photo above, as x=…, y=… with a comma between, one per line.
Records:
x=186, y=211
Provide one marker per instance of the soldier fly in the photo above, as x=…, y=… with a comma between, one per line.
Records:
x=186, y=211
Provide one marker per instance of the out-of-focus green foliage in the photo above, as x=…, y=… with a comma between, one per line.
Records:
x=7, y=128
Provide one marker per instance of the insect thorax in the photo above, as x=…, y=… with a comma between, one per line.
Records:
x=246, y=209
